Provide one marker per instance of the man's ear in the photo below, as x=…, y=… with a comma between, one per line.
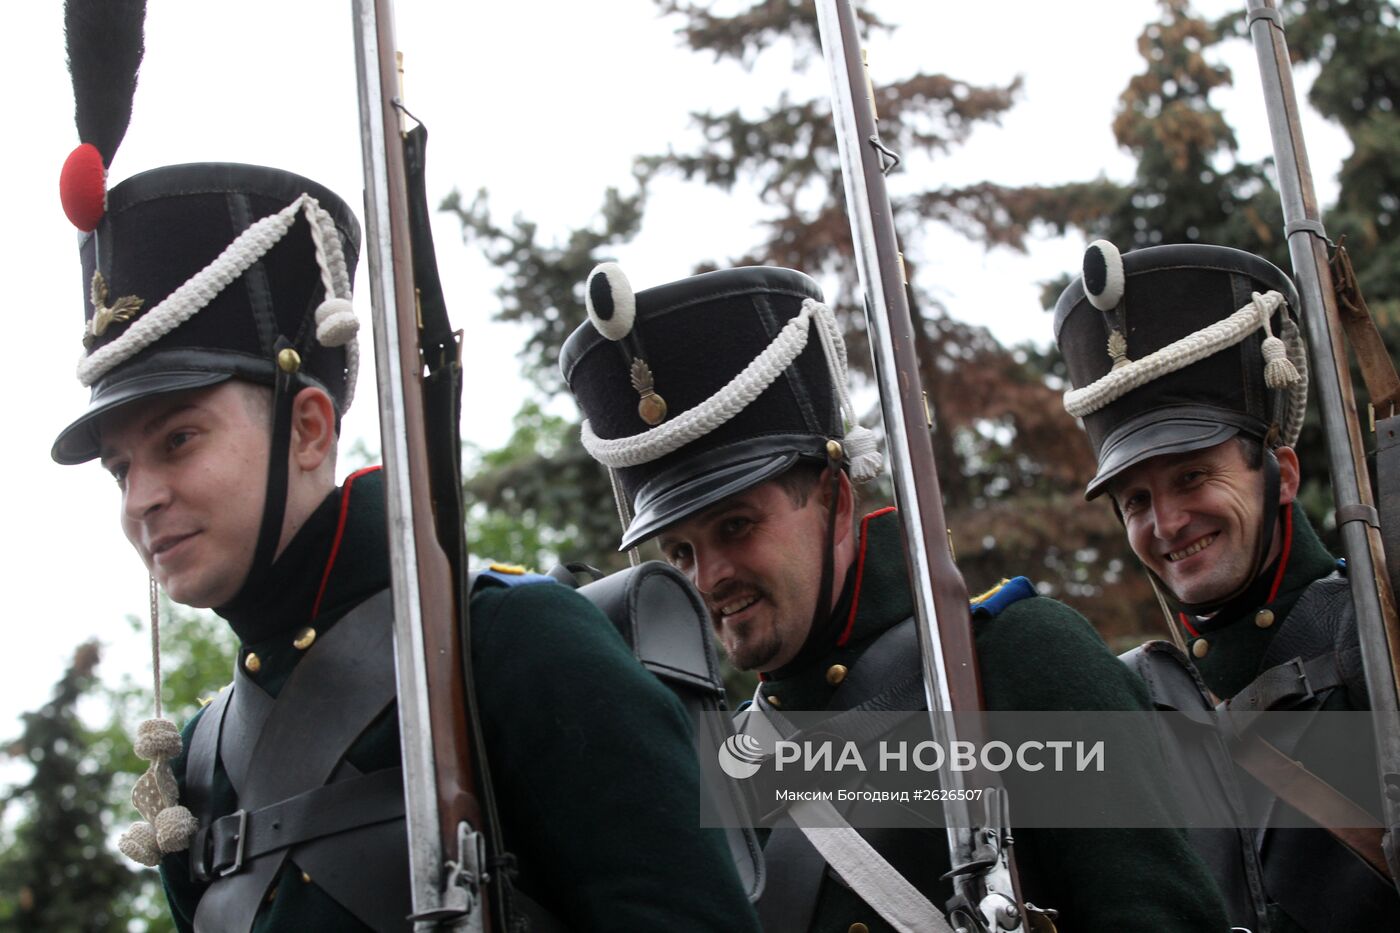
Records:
x=1288, y=475
x=313, y=429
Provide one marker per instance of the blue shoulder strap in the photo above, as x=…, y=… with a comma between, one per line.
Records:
x=993, y=602
x=506, y=575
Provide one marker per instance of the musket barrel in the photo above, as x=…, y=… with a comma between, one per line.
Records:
x=951, y=677
x=1379, y=630
x=938, y=587
x=427, y=660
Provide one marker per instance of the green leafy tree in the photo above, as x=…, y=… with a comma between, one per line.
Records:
x=57, y=871
x=987, y=401
x=59, y=868
x=1011, y=482
x=1189, y=185
x=541, y=498
x=1356, y=46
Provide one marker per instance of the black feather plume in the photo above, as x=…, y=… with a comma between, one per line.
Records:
x=105, y=45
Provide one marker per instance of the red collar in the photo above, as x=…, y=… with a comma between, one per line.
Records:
x=339, y=533
x=860, y=575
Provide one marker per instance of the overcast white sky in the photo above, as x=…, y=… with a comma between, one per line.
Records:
x=271, y=81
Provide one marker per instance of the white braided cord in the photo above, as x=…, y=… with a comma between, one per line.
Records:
x=330, y=257
x=861, y=445
x=206, y=284
x=1298, y=392
x=1189, y=349
x=724, y=404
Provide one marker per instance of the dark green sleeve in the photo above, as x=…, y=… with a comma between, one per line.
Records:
x=595, y=772
x=1040, y=654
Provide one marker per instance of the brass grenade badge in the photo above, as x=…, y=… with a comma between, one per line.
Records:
x=652, y=407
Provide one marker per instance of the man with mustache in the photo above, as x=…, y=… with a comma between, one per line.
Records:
x=1188, y=370
x=719, y=404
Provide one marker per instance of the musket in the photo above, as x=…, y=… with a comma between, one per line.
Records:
x=453, y=835
x=1377, y=622
x=986, y=895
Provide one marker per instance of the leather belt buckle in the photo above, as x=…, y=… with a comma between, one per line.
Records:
x=1303, y=679
x=240, y=837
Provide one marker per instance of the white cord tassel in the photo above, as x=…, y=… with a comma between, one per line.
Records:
x=166, y=826
x=1279, y=372
x=863, y=448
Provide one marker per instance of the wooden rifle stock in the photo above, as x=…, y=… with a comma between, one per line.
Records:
x=438, y=729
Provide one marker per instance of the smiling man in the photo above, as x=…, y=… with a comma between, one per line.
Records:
x=1189, y=372
x=719, y=405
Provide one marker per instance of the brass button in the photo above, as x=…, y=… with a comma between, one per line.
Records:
x=288, y=360
x=1264, y=618
x=1199, y=647
x=253, y=663
x=304, y=638
x=835, y=674
x=858, y=928
x=774, y=701
x=305, y=878
x=833, y=450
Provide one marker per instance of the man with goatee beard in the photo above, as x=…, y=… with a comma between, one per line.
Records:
x=719, y=404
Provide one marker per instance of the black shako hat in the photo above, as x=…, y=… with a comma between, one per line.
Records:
x=1179, y=348
x=705, y=387
x=199, y=273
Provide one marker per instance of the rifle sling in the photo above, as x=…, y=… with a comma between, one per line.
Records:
x=887, y=677
x=1377, y=370
x=1313, y=797
x=1383, y=387
x=1287, y=683
x=1388, y=493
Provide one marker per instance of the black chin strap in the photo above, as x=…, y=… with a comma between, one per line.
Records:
x=275, y=502
x=822, y=631
x=822, y=614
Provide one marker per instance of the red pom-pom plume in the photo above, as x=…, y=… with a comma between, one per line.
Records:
x=83, y=187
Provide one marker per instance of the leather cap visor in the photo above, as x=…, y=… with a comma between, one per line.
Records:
x=79, y=442
x=1166, y=431
x=679, y=493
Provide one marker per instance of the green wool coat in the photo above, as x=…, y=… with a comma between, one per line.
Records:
x=1036, y=654
x=591, y=757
